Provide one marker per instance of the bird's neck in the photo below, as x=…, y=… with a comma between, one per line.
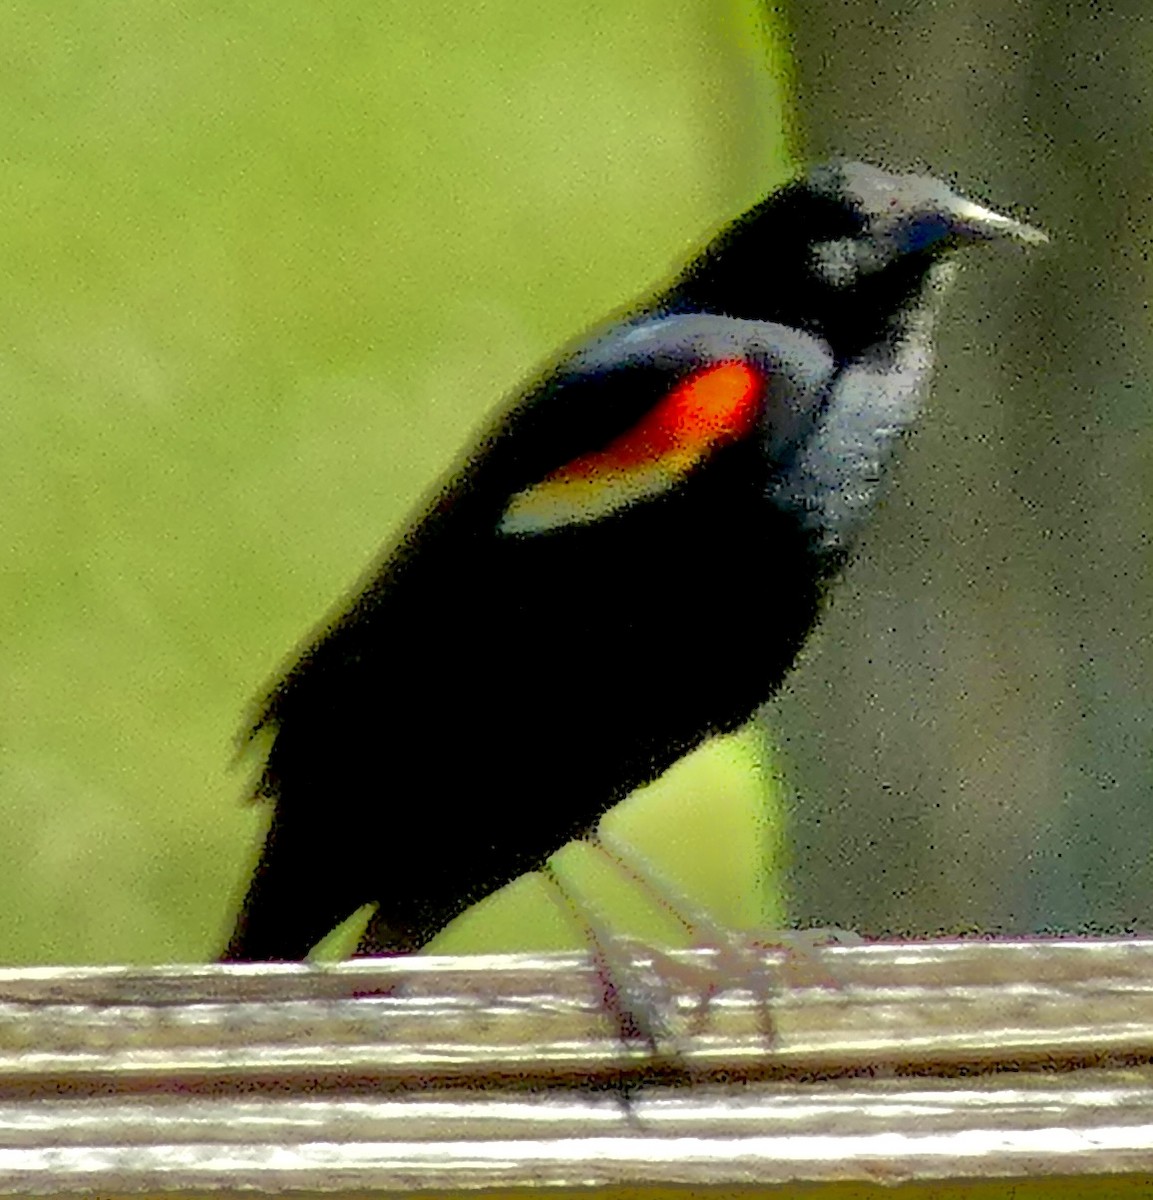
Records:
x=831, y=484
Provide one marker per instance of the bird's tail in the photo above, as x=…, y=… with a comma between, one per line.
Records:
x=298, y=894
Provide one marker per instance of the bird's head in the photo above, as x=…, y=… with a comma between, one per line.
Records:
x=840, y=252
x=867, y=222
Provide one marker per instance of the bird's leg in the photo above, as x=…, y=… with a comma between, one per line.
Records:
x=632, y=1003
x=735, y=957
x=738, y=955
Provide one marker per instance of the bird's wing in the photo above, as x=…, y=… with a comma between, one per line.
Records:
x=628, y=414
x=631, y=413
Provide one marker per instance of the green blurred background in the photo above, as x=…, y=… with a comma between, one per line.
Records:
x=266, y=267
x=263, y=271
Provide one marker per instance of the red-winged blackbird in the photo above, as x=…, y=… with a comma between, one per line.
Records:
x=626, y=563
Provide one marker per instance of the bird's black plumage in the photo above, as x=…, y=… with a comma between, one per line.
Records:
x=626, y=564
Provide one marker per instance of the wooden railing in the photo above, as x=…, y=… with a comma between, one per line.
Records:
x=941, y=1066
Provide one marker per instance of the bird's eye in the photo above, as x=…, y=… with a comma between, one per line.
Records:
x=923, y=231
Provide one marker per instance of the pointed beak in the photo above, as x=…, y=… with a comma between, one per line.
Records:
x=976, y=223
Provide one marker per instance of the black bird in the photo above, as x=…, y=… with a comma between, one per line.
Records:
x=626, y=564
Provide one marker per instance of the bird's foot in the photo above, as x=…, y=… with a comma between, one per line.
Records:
x=739, y=959
x=743, y=961
x=659, y=998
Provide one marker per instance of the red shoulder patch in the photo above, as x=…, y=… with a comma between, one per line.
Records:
x=712, y=407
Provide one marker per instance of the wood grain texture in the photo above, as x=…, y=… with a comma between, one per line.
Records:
x=889, y=1064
